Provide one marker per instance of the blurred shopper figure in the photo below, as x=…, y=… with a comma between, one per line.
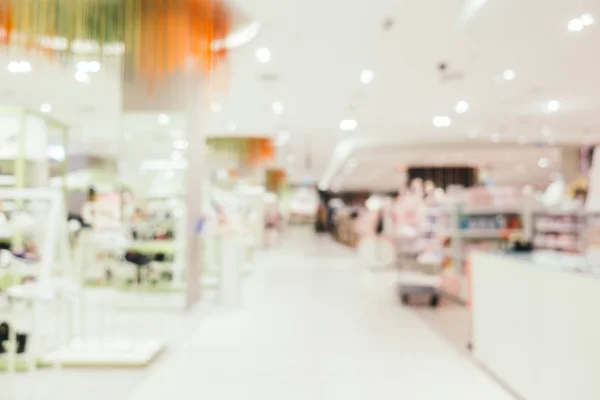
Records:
x=321, y=221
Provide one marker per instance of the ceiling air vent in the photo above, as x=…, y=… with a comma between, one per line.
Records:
x=451, y=76
x=268, y=77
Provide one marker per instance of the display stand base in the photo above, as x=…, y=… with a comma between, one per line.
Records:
x=113, y=353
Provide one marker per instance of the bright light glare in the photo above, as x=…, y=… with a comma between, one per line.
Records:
x=366, y=76
x=509, y=75
x=46, y=108
x=348, y=125
x=163, y=119
x=544, y=162
x=576, y=25
x=282, y=138
x=553, y=106
x=19, y=67
x=56, y=153
x=215, y=108
x=587, y=19
x=82, y=76
x=442, y=122
x=180, y=144
x=462, y=107
x=88, y=66
x=263, y=55
x=277, y=107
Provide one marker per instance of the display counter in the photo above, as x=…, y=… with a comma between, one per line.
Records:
x=535, y=324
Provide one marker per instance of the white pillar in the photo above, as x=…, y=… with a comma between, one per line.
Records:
x=196, y=170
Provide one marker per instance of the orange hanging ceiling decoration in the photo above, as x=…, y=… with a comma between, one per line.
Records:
x=156, y=37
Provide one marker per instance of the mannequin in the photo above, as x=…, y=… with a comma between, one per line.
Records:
x=555, y=192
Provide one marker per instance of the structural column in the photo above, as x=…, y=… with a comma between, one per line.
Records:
x=195, y=178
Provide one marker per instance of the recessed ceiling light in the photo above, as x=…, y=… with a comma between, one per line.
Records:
x=45, y=108
x=180, y=144
x=263, y=55
x=576, y=25
x=82, y=76
x=509, y=75
x=462, y=107
x=544, y=162
x=366, y=76
x=277, y=107
x=215, y=108
x=553, y=105
x=231, y=126
x=19, y=67
x=163, y=119
x=495, y=137
x=348, y=125
x=442, y=121
x=587, y=19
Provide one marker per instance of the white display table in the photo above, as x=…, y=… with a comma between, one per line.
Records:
x=535, y=325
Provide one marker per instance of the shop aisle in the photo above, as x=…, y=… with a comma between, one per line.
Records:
x=314, y=325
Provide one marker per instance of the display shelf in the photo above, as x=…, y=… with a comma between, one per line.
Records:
x=563, y=231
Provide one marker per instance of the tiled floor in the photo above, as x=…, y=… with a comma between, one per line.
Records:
x=316, y=325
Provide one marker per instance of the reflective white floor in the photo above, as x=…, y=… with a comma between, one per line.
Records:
x=315, y=325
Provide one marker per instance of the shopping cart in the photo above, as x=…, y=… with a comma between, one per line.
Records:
x=416, y=277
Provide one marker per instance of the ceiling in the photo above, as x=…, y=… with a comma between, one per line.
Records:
x=318, y=52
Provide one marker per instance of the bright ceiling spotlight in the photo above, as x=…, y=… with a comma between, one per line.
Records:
x=462, y=107
x=19, y=67
x=263, y=55
x=366, y=76
x=163, y=119
x=348, y=125
x=180, y=144
x=46, y=108
x=587, y=19
x=575, y=25
x=509, y=75
x=231, y=126
x=544, y=163
x=442, y=122
x=277, y=108
x=553, y=106
x=215, y=108
x=82, y=76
